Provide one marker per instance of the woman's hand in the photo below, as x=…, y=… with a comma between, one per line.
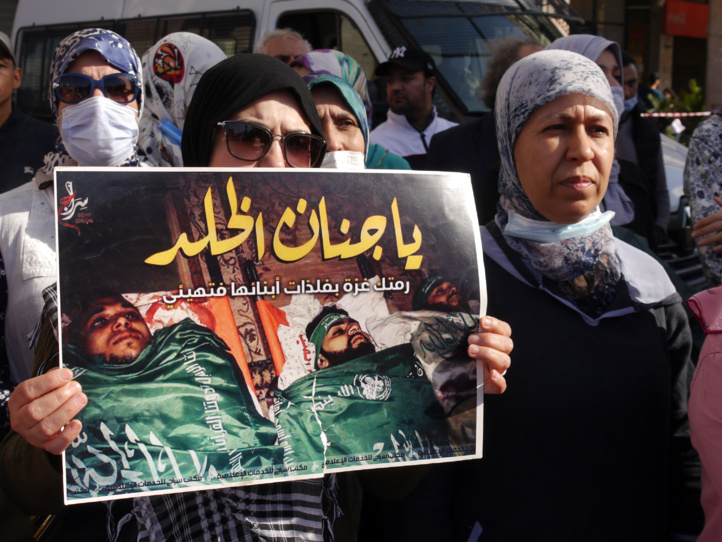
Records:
x=492, y=347
x=710, y=226
x=42, y=410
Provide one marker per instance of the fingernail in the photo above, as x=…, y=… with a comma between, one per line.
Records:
x=486, y=322
x=66, y=374
x=81, y=400
x=474, y=350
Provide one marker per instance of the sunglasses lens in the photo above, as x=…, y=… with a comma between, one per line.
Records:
x=119, y=88
x=247, y=141
x=73, y=89
x=303, y=150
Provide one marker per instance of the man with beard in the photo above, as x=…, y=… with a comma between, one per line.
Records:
x=437, y=293
x=415, y=388
x=412, y=119
x=338, y=337
x=177, y=393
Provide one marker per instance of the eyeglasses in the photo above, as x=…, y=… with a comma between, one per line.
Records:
x=73, y=88
x=250, y=142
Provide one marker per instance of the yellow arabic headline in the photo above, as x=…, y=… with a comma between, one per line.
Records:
x=372, y=230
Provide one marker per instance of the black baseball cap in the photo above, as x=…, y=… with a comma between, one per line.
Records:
x=409, y=58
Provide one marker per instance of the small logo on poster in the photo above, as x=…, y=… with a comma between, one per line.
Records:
x=374, y=387
x=72, y=209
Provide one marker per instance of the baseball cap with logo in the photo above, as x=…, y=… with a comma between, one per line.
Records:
x=5, y=49
x=409, y=58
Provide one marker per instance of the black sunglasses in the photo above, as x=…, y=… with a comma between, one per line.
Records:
x=73, y=88
x=250, y=142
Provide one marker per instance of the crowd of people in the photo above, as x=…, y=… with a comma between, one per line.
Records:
x=591, y=440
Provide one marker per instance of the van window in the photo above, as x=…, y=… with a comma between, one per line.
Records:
x=458, y=36
x=232, y=31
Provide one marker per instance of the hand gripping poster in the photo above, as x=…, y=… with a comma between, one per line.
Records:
x=245, y=326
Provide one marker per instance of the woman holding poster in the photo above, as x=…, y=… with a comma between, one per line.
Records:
x=241, y=108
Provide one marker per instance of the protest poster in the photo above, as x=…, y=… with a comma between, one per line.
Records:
x=192, y=305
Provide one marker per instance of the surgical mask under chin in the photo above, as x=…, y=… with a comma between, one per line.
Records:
x=550, y=232
x=618, y=96
x=346, y=160
x=629, y=104
x=99, y=131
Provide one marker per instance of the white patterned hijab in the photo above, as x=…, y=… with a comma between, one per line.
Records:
x=171, y=68
x=585, y=268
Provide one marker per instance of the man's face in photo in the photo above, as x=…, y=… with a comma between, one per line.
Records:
x=446, y=298
x=114, y=329
x=343, y=342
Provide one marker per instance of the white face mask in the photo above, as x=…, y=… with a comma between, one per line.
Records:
x=618, y=95
x=551, y=232
x=99, y=131
x=346, y=160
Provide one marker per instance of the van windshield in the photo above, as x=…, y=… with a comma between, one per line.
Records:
x=459, y=36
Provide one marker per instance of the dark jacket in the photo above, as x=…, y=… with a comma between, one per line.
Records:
x=24, y=141
x=470, y=148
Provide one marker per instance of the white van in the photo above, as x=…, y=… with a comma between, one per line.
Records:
x=455, y=33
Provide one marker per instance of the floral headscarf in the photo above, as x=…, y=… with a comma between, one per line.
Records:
x=172, y=68
x=341, y=65
x=586, y=268
x=349, y=95
x=119, y=54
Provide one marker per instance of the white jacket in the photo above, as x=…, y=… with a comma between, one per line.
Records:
x=27, y=244
x=398, y=136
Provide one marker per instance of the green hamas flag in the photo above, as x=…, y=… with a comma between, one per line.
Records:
x=180, y=413
x=376, y=408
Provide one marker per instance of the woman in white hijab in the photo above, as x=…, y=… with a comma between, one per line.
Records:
x=171, y=68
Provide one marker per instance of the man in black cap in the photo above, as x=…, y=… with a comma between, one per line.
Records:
x=412, y=119
x=24, y=141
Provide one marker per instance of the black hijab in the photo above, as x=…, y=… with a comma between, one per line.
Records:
x=230, y=86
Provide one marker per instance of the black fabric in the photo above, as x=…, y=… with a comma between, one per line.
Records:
x=416, y=161
x=590, y=441
x=635, y=184
x=230, y=86
x=647, y=144
x=470, y=148
x=24, y=141
x=600, y=444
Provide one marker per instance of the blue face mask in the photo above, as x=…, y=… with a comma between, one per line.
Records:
x=550, y=232
x=171, y=131
x=629, y=104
